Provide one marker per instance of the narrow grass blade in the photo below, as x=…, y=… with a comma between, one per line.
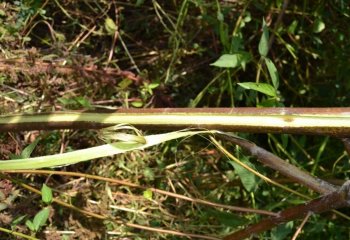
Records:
x=93, y=152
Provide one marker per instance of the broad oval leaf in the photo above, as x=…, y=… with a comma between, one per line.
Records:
x=46, y=194
x=41, y=218
x=264, y=88
x=239, y=59
x=110, y=26
x=248, y=179
x=318, y=26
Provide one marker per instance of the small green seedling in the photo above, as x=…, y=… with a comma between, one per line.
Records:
x=41, y=217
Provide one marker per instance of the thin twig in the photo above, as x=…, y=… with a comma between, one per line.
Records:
x=115, y=36
x=278, y=23
x=285, y=168
x=155, y=190
x=118, y=221
x=298, y=231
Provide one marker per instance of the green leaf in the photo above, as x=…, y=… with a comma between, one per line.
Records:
x=153, y=85
x=139, y=3
x=273, y=72
x=30, y=225
x=260, y=87
x=318, y=26
x=110, y=26
x=292, y=27
x=18, y=220
x=46, y=194
x=29, y=149
x=148, y=194
x=248, y=179
x=60, y=37
x=125, y=83
x=137, y=104
x=239, y=59
x=83, y=101
x=41, y=218
x=269, y=102
x=247, y=17
x=281, y=232
x=264, y=40
x=220, y=16
x=291, y=50
x=75, y=102
x=65, y=101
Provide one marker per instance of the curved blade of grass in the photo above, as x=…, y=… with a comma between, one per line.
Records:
x=94, y=152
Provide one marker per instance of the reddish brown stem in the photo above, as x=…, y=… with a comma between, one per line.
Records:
x=334, y=200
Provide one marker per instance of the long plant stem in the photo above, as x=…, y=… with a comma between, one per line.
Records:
x=320, y=121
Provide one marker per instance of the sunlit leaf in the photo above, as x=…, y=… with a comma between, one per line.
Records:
x=30, y=225
x=318, y=26
x=239, y=59
x=220, y=16
x=137, y=104
x=248, y=179
x=46, y=194
x=27, y=151
x=260, y=87
x=148, y=194
x=110, y=26
x=41, y=218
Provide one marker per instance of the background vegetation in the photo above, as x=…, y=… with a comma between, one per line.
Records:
x=68, y=55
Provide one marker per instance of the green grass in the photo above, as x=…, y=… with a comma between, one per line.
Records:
x=69, y=55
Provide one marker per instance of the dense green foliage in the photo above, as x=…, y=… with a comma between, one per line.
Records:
x=68, y=55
